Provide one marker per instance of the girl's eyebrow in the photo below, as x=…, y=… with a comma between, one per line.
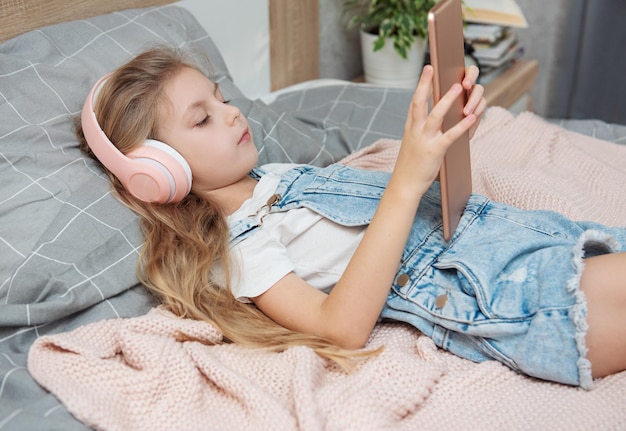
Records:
x=217, y=89
x=193, y=107
x=199, y=103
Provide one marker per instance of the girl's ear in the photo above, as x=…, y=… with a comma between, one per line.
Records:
x=154, y=172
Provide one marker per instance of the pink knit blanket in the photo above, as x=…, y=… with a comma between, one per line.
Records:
x=529, y=163
x=139, y=374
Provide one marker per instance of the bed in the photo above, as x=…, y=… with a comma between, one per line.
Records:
x=107, y=357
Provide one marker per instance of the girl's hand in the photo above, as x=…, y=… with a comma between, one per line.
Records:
x=424, y=144
x=476, y=103
x=349, y=312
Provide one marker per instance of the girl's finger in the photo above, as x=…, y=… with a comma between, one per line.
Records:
x=474, y=99
x=418, y=110
x=434, y=121
x=480, y=109
x=458, y=129
x=471, y=75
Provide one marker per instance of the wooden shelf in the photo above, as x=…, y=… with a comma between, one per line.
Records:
x=513, y=84
x=507, y=89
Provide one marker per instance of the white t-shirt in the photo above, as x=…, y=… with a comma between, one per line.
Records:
x=300, y=241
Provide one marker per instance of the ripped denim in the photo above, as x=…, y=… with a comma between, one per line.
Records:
x=506, y=288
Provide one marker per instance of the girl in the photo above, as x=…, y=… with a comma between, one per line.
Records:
x=284, y=255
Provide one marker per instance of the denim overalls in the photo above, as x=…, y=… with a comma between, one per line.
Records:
x=505, y=287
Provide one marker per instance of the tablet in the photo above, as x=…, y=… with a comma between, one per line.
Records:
x=447, y=56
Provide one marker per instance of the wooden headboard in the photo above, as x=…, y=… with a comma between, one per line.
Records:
x=294, y=28
x=294, y=41
x=20, y=16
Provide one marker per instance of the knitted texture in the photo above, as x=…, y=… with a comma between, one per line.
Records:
x=137, y=374
x=529, y=163
x=140, y=374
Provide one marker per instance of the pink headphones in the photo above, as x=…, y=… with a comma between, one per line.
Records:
x=154, y=172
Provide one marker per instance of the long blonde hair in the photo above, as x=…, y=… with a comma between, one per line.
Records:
x=185, y=241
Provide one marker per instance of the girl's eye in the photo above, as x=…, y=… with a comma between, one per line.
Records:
x=203, y=122
x=226, y=102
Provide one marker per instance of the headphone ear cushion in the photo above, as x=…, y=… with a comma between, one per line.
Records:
x=166, y=177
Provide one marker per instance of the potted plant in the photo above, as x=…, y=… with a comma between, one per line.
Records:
x=394, y=36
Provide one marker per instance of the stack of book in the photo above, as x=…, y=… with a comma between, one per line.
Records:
x=489, y=31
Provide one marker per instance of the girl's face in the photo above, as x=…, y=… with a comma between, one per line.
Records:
x=212, y=136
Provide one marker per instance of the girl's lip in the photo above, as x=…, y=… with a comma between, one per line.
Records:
x=245, y=137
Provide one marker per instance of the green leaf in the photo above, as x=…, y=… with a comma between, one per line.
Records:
x=401, y=20
x=379, y=43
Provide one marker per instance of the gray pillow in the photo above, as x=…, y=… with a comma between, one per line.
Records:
x=66, y=243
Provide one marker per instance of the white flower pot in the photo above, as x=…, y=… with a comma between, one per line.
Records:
x=386, y=67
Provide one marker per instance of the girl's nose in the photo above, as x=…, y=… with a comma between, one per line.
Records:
x=233, y=113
